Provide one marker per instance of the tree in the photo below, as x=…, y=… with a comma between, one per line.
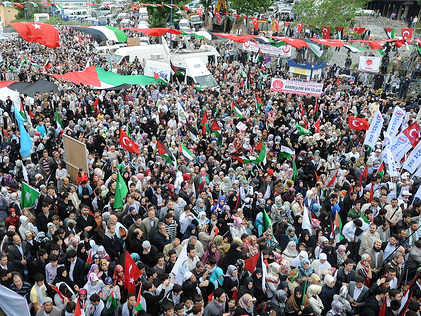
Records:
x=250, y=7
x=159, y=15
x=327, y=12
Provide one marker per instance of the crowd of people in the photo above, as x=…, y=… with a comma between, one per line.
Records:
x=239, y=227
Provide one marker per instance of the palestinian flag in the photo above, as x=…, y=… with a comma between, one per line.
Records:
x=340, y=30
x=354, y=49
x=332, y=181
x=164, y=152
x=380, y=171
x=337, y=228
x=316, y=49
x=175, y=69
x=262, y=154
x=14, y=88
x=259, y=103
x=111, y=304
x=251, y=262
x=139, y=307
x=186, y=152
x=258, y=56
x=216, y=130
x=104, y=33
x=59, y=123
x=302, y=130
x=98, y=78
x=286, y=152
x=390, y=32
x=236, y=110
x=42, y=33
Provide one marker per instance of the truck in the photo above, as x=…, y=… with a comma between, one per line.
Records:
x=195, y=72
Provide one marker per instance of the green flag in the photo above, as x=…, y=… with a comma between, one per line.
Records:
x=28, y=196
x=111, y=304
x=120, y=192
x=295, y=171
x=302, y=130
x=59, y=121
x=262, y=154
x=267, y=221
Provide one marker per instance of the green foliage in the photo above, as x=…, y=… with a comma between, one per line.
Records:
x=250, y=7
x=327, y=12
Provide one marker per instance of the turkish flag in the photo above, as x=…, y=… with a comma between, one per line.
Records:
x=218, y=16
x=42, y=33
x=127, y=143
x=407, y=34
x=255, y=24
x=131, y=273
x=276, y=26
x=326, y=32
x=316, y=126
x=299, y=27
x=357, y=123
x=413, y=133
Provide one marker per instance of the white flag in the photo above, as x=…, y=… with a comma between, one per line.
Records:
x=177, y=270
x=414, y=159
x=373, y=133
x=418, y=194
x=392, y=166
x=12, y=303
x=395, y=121
x=306, y=223
x=264, y=272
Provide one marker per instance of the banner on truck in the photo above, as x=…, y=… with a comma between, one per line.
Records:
x=283, y=51
x=297, y=87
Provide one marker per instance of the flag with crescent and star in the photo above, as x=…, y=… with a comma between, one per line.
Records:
x=358, y=124
x=131, y=273
x=127, y=143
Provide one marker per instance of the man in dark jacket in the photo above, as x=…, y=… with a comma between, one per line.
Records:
x=160, y=237
x=18, y=254
x=85, y=222
x=76, y=268
x=373, y=303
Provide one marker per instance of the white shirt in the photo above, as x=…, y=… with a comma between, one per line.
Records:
x=72, y=267
x=357, y=293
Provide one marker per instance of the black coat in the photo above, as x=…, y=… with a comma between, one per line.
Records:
x=371, y=307
x=15, y=257
x=152, y=302
x=79, y=272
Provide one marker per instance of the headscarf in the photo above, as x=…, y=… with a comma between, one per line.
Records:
x=244, y=300
x=289, y=252
x=116, y=277
x=231, y=268
x=303, y=255
x=305, y=272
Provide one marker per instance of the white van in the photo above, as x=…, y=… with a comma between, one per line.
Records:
x=142, y=53
x=198, y=74
x=184, y=25
x=143, y=14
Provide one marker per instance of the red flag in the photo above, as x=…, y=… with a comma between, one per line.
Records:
x=300, y=27
x=287, y=24
x=42, y=33
x=78, y=311
x=95, y=105
x=215, y=126
x=200, y=12
x=19, y=5
x=301, y=109
x=326, y=32
x=359, y=30
x=365, y=172
x=371, y=193
x=251, y=262
x=357, y=123
x=317, y=176
x=332, y=181
x=316, y=126
x=127, y=143
x=89, y=261
x=218, y=16
x=259, y=145
x=407, y=34
x=204, y=121
x=131, y=273
x=413, y=133
x=155, y=76
x=255, y=24
x=316, y=108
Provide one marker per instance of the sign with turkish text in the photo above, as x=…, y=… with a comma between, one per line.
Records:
x=282, y=51
x=312, y=88
x=369, y=63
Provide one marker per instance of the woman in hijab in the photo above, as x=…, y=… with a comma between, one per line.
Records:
x=232, y=256
x=94, y=285
x=190, y=231
x=231, y=283
x=314, y=300
x=64, y=296
x=308, y=240
x=211, y=252
x=245, y=306
x=257, y=284
x=81, y=252
x=303, y=255
x=290, y=251
x=26, y=225
x=294, y=302
x=305, y=269
x=247, y=287
x=62, y=276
